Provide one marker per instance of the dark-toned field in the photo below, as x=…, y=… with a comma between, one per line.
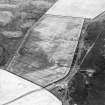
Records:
x=16, y=17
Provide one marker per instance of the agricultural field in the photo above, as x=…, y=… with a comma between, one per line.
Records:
x=16, y=18
x=47, y=53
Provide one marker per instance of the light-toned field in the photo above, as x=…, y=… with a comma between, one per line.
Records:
x=47, y=53
x=78, y=8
